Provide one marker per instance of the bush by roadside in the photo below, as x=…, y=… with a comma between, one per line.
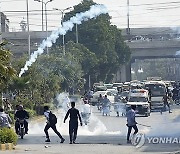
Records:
x=7, y=136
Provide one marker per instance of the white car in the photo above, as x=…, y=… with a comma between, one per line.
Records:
x=94, y=99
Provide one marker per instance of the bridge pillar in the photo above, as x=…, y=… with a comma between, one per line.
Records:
x=128, y=71
x=123, y=74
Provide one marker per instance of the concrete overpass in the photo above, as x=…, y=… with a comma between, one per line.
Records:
x=18, y=41
x=145, y=43
x=149, y=43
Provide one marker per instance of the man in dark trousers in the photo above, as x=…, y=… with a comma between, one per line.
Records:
x=73, y=122
x=47, y=113
x=166, y=103
x=131, y=122
x=21, y=114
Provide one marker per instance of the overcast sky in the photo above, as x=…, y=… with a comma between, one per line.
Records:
x=143, y=13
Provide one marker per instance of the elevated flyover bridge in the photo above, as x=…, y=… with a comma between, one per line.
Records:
x=150, y=43
x=144, y=43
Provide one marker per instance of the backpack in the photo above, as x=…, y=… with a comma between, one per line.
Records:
x=52, y=118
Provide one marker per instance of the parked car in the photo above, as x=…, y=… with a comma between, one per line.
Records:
x=108, y=85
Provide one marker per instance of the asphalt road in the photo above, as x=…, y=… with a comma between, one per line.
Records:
x=103, y=134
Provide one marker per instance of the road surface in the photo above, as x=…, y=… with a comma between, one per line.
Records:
x=103, y=135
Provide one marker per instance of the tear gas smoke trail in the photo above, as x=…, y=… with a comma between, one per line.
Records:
x=95, y=10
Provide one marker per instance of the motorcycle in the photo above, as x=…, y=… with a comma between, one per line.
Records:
x=21, y=131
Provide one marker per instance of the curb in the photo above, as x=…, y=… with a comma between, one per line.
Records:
x=7, y=146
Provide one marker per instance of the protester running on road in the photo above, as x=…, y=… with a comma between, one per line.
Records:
x=131, y=122
x=166, y=103
x=73, y=122
x=50, y=124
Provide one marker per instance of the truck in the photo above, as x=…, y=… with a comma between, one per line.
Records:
x=157, y=90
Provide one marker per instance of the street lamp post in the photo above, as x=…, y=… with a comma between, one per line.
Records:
x=128, y=28
x=29, y=46
x=62, y=18
x=42, y=17
x=45, y=4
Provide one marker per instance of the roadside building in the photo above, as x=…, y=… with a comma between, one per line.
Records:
x=4, y=23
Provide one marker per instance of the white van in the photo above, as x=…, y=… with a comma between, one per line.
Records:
x=140, y=98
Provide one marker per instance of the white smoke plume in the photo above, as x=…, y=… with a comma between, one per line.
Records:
x=95, y=10
x=63, y=101
x=177, y=53
x=166, y=126
x=94, y=127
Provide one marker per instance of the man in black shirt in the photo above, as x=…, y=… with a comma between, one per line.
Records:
x=21, y=114
x=73, y=122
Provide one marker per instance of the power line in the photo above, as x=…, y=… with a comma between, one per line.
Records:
x=150, y=4
x=164, y=8
x=11, y=1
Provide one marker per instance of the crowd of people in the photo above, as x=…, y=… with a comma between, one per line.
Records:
x=22, y=114
x=73, y=114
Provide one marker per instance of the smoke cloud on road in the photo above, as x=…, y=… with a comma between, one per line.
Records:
x=167, y=126
x=94, y=127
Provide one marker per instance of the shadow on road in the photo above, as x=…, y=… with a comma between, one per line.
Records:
x=35, y=139
x=103, y=140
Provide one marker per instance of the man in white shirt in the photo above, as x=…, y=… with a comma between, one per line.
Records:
x=131, y=122
x=106, y=104
x=5, y=120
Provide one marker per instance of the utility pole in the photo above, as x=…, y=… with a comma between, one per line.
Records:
x=29, y=42
x=63, y=41
x=62, y=19
x=77, y=39
x=45, y=3
x=128, y=28
x=42, y=16
x=89, y=82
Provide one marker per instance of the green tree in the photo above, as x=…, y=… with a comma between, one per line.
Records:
x=102, y=39
x=7, y=72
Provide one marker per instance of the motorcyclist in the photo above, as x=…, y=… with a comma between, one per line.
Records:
x=21, y=114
